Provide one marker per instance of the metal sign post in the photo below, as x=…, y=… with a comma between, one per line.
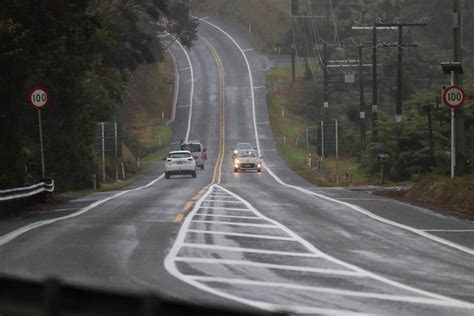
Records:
x=38, y=99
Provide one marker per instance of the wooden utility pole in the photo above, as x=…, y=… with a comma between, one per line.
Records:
x=374, y=83
x=361, y=99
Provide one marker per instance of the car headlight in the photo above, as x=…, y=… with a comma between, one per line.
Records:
x=236, y=152
x=237, y=161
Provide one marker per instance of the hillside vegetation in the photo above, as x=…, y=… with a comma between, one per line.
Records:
x=86, y=53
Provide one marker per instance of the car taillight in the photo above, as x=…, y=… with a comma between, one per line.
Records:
x=191, y=159
x=169, y=160
x=202, y=155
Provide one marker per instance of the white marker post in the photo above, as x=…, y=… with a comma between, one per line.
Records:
x=38, y=99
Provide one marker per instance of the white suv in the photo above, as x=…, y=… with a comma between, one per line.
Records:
x=180, y=162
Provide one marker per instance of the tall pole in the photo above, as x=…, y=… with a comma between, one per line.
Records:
x=398, y=112
x=361, y=99
x=453, y=136
x=374, y=83
x=325, y=75
x=43, y=169
x=103, y=151
x=116, y=153
x=458, y=80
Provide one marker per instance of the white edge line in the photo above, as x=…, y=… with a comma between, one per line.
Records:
x=176, y=85
x=20, y=231
x=192, y=89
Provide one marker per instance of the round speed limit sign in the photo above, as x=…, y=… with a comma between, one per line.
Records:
x=38, y=98
x=454, y=97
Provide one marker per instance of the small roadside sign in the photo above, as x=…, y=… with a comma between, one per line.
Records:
x=38, y=98
x=454, y=97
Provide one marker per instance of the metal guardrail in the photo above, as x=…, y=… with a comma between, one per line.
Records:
x=12, y=201
x=52, y=298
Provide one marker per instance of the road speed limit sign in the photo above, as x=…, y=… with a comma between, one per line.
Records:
x=38, y=98
x=454, y=97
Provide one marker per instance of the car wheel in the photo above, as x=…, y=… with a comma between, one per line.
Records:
x=167, y=176
x=202, y=167
x=259, y=170
x=194, y=174
x=236, y=170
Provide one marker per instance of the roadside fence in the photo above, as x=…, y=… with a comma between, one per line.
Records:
x=13, y=201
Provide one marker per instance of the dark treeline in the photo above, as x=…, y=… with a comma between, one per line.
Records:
x=83, y=52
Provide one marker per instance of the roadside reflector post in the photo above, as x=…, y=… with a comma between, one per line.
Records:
x=138, y=163
x=123, y=172
x=94, y=178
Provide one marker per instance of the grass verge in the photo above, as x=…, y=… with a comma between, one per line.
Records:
x=284, y=101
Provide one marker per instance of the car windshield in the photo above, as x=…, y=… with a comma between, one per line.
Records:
x=191, y=147
x=298, y=156
x=244, y=146
x=247, y=153
x=179, y=155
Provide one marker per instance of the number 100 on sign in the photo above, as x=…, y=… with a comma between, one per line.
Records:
x=454, y=97
x=38, y=98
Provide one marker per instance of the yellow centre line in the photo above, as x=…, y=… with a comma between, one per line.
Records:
x=217, y=176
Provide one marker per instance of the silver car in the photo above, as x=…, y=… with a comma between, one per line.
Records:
x=247, y=159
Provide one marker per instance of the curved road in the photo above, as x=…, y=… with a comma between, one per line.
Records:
x=266, y=240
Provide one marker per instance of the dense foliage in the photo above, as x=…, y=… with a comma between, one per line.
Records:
x=322, y=31
x=83, y=52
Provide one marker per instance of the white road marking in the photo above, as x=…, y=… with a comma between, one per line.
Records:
x=269, y=266
x=183, y=106
x=257, y=236
x=325, y=290
x=236, y=224
x=230, y=216
x=191, y=94
x=248, y=50
x=225, y=208
x=252, y=250
x=224, y=201
x=321, y=196
x=259, y=87
x=185, y=68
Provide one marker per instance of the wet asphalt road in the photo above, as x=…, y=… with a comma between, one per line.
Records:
x=254, y=239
